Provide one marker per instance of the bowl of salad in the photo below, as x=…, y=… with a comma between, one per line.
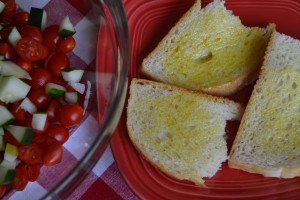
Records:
x=63, y=82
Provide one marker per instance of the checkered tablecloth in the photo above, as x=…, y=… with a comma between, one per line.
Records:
x=104, y=181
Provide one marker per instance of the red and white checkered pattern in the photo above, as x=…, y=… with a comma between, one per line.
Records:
x=104, y=181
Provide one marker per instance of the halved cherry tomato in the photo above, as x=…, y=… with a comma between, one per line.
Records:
x=70, y=114
x=2, y=190
x=20, y=19
x=39, y=78
x=17, y=112
x=10, y=8
x=31, y=154
x=32, y=32
x=51, y=37
x=7, y=51
x=43, y=140
x=24, y=64
x=39, y=97
x=58, y=62
x=21, y=179
x=58, y=132
x=33, y=171
x=66, y=44
x=53, y=154
x=31, y=50
x=52, y=109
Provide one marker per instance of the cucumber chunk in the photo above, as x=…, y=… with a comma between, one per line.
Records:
x=9, y=68
x=14, y=36
x=72, y=75
x=11, y=153
x=6, y=175
x=38, y=17
x=54, y=90
x=79, y=87
x=39, y=121
x=5, y=117
x=2, y=6
x=28, y=106
x=71, y=97
x=13, y=89
x=66, y=27
x=22, y=134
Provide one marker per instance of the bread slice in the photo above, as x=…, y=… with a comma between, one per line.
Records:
x=210, y=50
x=180, y=132
x=268, y=139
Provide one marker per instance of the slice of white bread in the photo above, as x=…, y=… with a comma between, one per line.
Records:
x=210, y=50
x=268, y=139
x=179, y=131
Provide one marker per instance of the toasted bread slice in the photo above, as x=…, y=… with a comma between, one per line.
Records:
x=210, y=50
x=268, y=139
x=180, y=132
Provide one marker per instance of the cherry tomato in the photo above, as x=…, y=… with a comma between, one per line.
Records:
x=10, y=8
x=39, y=78
x=31, y=154
x=51, y=37
x=43, y=140
x=2, y=190
x=31, y=50
x=21, y=179
x=58, y=62
x=20, y=19
x=32, y=171
x=7, y=51
x=32, y=32
x=52, y=109
x=58, y=132
x=53, y=154
x=70, y=114
x=66, y=44
x=11, y=139
x=26, y=65
x=39, y=97
x=4, y=32
x=17, y=112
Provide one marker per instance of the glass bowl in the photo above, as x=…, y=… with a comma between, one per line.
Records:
x=102, y=50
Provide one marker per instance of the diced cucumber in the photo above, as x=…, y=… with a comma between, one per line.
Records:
x=11, y=152
x=28, y=105
x=66, y=27
x=1, y=131
x=39, y=121
x=71, y=97
x=54, y=90
x=2, y=143
x=13, y=89
x=5, y=117
x=2, y=6
x=22, y=134
x=9, y=68
x=72, y=75
x=38, y=17
x=79, y=87
x=14, y=36
x=6, y=175
x=1, y=57
x=9, y=165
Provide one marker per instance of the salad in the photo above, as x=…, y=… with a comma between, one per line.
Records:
x=41, y=95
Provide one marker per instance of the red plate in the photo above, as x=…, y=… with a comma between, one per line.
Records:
x=149, y=21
